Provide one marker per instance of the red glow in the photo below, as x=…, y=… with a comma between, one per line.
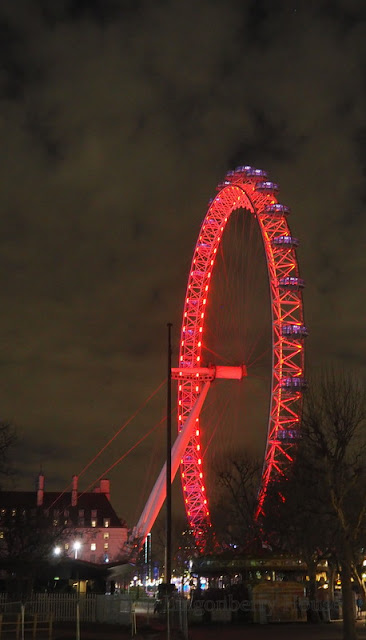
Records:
x=288, y=352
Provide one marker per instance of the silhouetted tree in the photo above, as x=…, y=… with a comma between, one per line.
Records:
x=237, y=479
x=298, y=519
x=319, y=510
x=7, y=440
x=28, y=540
x=334, y=424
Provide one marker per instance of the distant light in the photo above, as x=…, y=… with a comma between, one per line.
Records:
x=77, y=545
x=57, y=551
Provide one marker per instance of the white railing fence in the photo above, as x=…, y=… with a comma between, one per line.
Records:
x=92, y=607
x=109, y=609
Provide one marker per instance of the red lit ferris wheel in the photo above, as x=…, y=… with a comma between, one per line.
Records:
x=246, y=189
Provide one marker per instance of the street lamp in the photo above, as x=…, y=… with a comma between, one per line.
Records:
x=77, y=546
x=57, y=551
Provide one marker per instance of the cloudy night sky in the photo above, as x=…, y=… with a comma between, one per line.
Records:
x=118, y=119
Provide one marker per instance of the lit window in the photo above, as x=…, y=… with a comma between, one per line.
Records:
x=3, y=512
x=1, y=535
x=13, y=512
x=93, y=523
x=66, y=546
x=106, y=536
x=93, y=546
x=106, y=522
x=55, y=522
x=106, y=545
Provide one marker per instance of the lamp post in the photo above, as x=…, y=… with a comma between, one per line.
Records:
x=76, y=546
x=168, y=547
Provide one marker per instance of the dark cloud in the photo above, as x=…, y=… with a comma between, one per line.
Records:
x=117, y=120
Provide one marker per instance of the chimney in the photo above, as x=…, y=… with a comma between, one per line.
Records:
x=74, y=492
x=40, y=490
x=105, y=487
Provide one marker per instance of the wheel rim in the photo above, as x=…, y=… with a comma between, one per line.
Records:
x=245, y=188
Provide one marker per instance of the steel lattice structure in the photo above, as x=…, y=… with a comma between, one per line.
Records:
x=245, y=188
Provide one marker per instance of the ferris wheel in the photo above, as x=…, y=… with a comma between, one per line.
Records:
x=245, y=190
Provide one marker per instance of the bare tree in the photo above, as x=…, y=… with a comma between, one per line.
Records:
x=298, y=520
x=7, y=440
x=29, y=537
x=238, y=479
x=334, y=423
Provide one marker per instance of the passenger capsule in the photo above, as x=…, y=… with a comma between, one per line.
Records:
x=293, y=383
x=244, y=169
x=277, y=209
x=267, y=187
x=285, y=241
x=288, y=435
x=256, y=173
x=294, y=331
x=291, y=282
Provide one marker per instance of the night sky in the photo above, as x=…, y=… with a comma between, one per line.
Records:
x=117, y=120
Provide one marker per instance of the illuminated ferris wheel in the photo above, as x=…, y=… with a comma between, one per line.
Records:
x=244, y=191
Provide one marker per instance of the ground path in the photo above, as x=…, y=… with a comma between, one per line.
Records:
x=294, y=631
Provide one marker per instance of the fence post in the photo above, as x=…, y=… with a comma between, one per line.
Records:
x=78, y=620
x=35, y=620
x=19, y=616
x=133, y=620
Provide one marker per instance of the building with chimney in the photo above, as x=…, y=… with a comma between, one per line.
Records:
x=91, y=529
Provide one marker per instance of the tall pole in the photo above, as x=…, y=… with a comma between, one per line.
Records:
x=168, y=548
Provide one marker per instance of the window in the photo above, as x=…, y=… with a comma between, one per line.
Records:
x=94, y=513
x=55, y=522
x=81, y=513
x=1, y=535
x=93, y=523
x=93, y=546
x=106, y=536
x=106, y=522
x=81, y=522
x=106, y=545
x=13, y=512
x=3, y=512
x=66, y=546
